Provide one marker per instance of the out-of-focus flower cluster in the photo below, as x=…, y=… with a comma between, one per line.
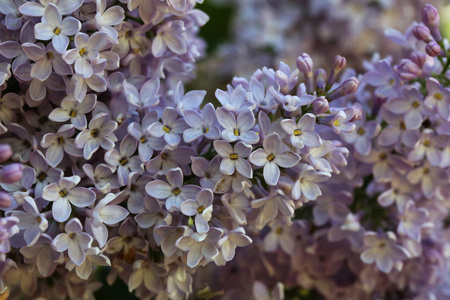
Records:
x=121, y=168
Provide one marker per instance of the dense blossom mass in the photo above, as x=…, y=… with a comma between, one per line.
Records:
x=315, y=183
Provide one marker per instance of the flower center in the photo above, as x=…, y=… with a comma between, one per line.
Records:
x=205, y=130
x=82, y=51
x=336, y=123
x=50, y=55
x=234, y=156
x=123, y=161
x=163, y=156
x=297, y=132
x=361, y=131
x=73, y=113
x=236, y=132
x=279, y=230
x=166, y=129
x=438, y=96
x=176, y=191
x=200, y=209
x=39, y=219
x=143, y=140
x=426, y=170
x=41, y=176
x=382, y=156
x=57, y=31
x=427, y=143
x=95, y=133
x=270, y=157
x=63, y=193
x=60, y=140
x=402, y=125
x=72, y=235
x=415, y=104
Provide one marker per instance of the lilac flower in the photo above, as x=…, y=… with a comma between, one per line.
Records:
x=8, y=228
x=173, y=191
x=54, y=28
x=412, y=220
x=341, y=122
x=74, y=111
x=191, y=101
x=438, y=97
x=306, y=185
x=93, y=257
x=169, y=35
x=429, y=178
x=100, y=133
x=44, y=174
x=382, y=249
x=37, y=9
x=231, y=240
x=8, y=102
x=396, y=130
x=103, y=177
x=31, y=220
x=234, y=158
x=147, y=273
x=199, y=245
x=170, y=128
x=428, y=146
x=166, y=237
x=153, y=214
x=234, y=101
x=105, y=19
x=280, y=236
x=146, y=97
x=125, y=160
x=170, y=158
x=275, y=153
x=301, y=133
x=270, y=205
x=65, y=193
x=238, y=129
x=208, y=171
x=383, y=77
x=203, y=124
x=58, y=143
x=201, y=208
x=362, y=137
x=263, y=99
x=146, y=141
x=42, y=254
x=75, y=241
x=46, y=60
x=237, y=205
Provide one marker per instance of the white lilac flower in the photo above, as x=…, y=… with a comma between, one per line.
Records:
x=411, y=106
x=199, y=245
x=189, y=101
x=383, y=249
x=169, y=35
x=238, y=128
x=396, y=131
x=42, y=254
x=281, y=235
x=147, y=143
x=166, y=237
x=201, y=208
x=53, y=27
x=429, y=178
x=146, y=97
x=263, y=99
x=438, y=98
x=12, y=17
x=172, y=191
x=234, y=101
x=58, y=143
x=31, y=220
x=270, y=205
x=133, y=38
x=37, y=9
x=46, y=60
x=136, y=192
x=64, y=193
x=202, y=124
x=75, y=241
x=208, y=171
x=170, y=158
x=383, y=77
x=233, y=158
x=73, y=110
x=105, y=19
x=86, y=52
x=170, y=127
x=306, y=185
x=301, y=133
x=99, y=134
x=231, y=240
x=273, y=154
x=125, y=160
x=127, y=240
x=147, y=273
x=93, y=257
x=341, y=122
x=96, y=82
x=153, y=214
x=44, y=174
x=237, y=205
x=412, y=220
x=103, y=177
x=400, y=192
x=316, y=157
x=429, y=145
x=362, y=137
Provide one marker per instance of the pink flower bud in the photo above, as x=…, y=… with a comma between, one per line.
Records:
x=418, y=58
x=11, y=173
x=407, y=69
x=5, y=152
x=422, y=33
x=357, y=113
x=305, y=64
x=430, y=17
x=433, y=49
x=349, y=86
x=339, y=62
x=320, y=106
x=5, y=200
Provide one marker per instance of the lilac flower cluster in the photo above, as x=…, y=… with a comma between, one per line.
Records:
x=122, y=168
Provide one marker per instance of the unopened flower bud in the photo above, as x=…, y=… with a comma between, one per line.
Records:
x=422, y=33
x=407, y=69
x=338, y=64
x=321, y=77
x=357, y=113
x=348, y=87
x=433, y=49
x=5, y=152
x=305, y=65
x=430, y=17
x=5, y=200
x=418, y=58
x=320, y=106
x=11, y=173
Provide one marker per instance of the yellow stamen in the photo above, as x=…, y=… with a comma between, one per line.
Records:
x=402, y=125
x=57, y=31
x=416, y=104
x=143, y=140
x=336, y=123
x=176, y=191
x=41, y=176
x=200, y=209
x=270, y=157
x=39, y=219
x=233, y=156
x=236, y=132
x=361, y=131
x=166, y=129
x=50, y=55
x=382, y=156
x=438, y=96
x=60, y=140
x=63, y=193
x=73, y=113
x=82, y=51
x=72, y=235
x=205, y=130
x=427, y=143
x=94, y=133
x=123, y=161
x=297, y=132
